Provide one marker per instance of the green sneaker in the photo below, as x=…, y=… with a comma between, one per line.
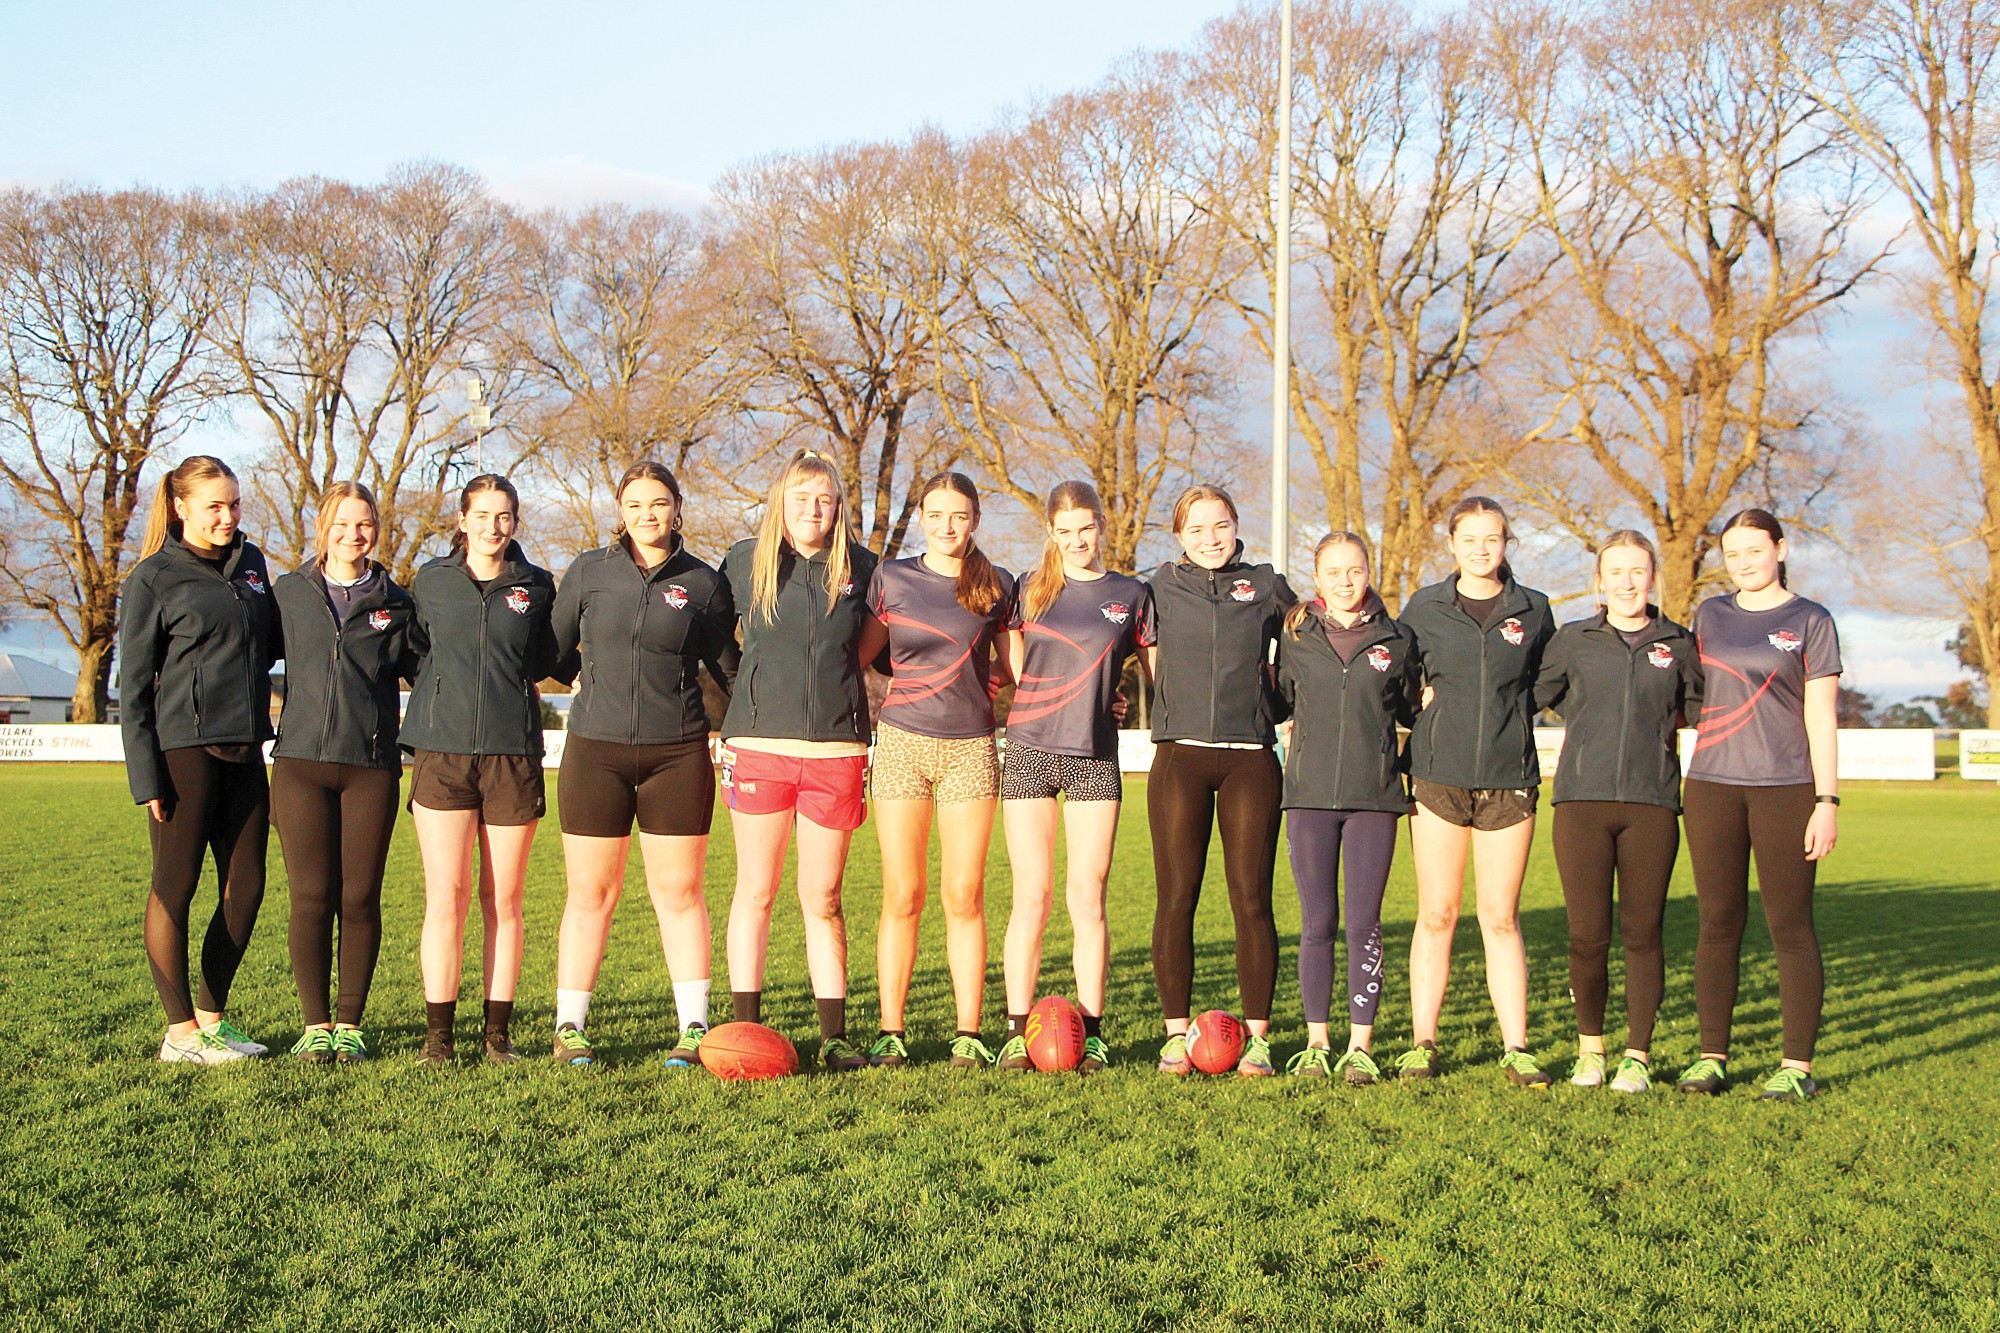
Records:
x=1420, y=1061
x=1705, y=1076
x=1312, y=1062
x=1358, y=1068
x=1523, y=1071
x=1096, y=1056
x=1256, y=1061
x=315, y=1047
x=971, y=1053
x=687, y=1051
x=1174, y=1055
x=838, y=1054
x=234, y=1039
x=1014, y=1056
x=201, y=1047
x=571, y=1046
x=1633, y=1076
x=1589, y=1070
x=349, y=1046
x=1788, y=1085
x=888, y=1052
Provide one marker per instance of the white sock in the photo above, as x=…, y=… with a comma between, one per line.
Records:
x=572, y=1007
x=691, y=1002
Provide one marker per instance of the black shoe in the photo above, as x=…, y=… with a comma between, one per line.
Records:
x=437, y=1050
x=500, y=1050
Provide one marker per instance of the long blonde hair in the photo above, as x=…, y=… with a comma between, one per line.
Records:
x=178, y=484
x=329, y=501
x=1302, y=610
x=1048, y=580
x=771, y=536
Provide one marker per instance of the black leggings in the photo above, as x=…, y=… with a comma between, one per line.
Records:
x=1595, y=841
x=212, y=806
x=1316, y=840
x=1725, y=824
x=334, y=822
x=1191, y=788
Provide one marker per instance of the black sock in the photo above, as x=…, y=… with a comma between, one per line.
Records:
x=1016, y=1025
x=439, y=1015
x=499, y=1017
x=1428, y=1044
x=832, y=1016
x=892, y=1032
x=969, y=1032
x=1093, y=1025
x=747, y=1006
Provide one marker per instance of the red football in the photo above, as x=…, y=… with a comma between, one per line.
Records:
x=748, y=1051
x=1055, y=1034
x=1214, y=1042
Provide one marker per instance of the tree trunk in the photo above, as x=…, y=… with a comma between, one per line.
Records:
x=91, y=701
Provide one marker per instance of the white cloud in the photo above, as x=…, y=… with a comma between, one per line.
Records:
x=571, y=181
x=1895, y=657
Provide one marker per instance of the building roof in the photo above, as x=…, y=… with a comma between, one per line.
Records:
x=26, y=678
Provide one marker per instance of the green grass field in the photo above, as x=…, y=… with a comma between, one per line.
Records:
x=136, y=1195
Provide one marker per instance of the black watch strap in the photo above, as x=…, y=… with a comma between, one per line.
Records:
x=1826, y=800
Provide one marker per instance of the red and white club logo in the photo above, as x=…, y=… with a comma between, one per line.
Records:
x=1243, y=591
x=676, y=596
x=1116, y=612
x=1511, y=631
x=517, y=601
x=847, y=588
x=1787, y=641
x=378, y=620
x=255, y=580
x=1379, y=658
x=1660, y=656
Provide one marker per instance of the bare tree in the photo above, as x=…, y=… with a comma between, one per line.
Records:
x=105, y=300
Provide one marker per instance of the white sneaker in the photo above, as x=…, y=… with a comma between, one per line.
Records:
x=1633, y=1076
x=226, y=1032
x=1589, y=1071
x=201, y=1048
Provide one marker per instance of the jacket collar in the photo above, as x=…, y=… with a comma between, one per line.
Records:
x=1661, y=628
x=234, y=551
x=513, y=564
x=1513, y=599
x=1232, y=564
x=677, y=557
x=1376, y=623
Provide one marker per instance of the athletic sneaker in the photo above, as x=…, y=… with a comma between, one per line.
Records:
x=571, y=1046
x=1096, y=1056
x=349, y=1046
x=1312, y=1062
x=1523, y=1071
x=1174, y=1055
x=202, y=1047
x=1589, y=1070
x=315, y=1047
x=500, y=1049
x=1358, y=1068
x=1704, y=1076
x=1788, y=1085
x=1633, y=1076
x=888, y=1052
x=838, y=1054
x=687, y=1051
x=1014, y=1056
x=1256, y=1061
x=1418, y=1062
x=970, y=1053
x=235, y=1039
x=437, y=1050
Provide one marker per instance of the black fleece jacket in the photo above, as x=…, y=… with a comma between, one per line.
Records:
x=1344, y=752
x=342, y=676
x=195, y=648
x=482, y=654
x=1622, y=705
x=801, y=677
x=1212, y=679
x=1479, y=730
x=637, y=638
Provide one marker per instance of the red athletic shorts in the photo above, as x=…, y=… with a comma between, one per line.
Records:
x=830, y=791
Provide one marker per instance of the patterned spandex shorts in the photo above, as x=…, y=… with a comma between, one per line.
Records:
x=909, y=767
x=1037, y=775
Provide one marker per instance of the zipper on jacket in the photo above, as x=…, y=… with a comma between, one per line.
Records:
x=332, y=681
x=1485, y=688
x=812, y=646
x=1625, y=709
x=479, y=682
x=638, y=624
x=1214, y=632
x=197, y=701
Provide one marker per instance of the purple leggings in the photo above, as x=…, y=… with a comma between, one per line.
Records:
x=1316, y=839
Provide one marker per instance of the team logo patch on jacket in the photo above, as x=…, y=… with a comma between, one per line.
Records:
x=1243, y=590
x=676, y=596
x=378, y=620
x=1116, y=612
x=517, y=601
x=254, y=580
x=1511, y=631
x=1379, y=658
x=1660, y=656
x=1787, y=641
x=847, y=588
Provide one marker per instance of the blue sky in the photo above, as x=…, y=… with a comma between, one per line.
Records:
x=559, y=104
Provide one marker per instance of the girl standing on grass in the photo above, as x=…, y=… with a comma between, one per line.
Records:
x=1762, y=780
x=1213, y=761
x=198, y=636
x=635, y=621
x=944, y=612
x=1349, y=674
x=795, y=741
x=1475, y=777
x=475, y=725
x=1072, y=628
x=1623, y=680
x=336, y=769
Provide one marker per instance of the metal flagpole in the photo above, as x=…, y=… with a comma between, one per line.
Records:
x=1281, y=312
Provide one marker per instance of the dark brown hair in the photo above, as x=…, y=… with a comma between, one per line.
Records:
x=1480, y=504
x=647, y=470
x=479, y=485
x=978, y=588
x=1762, y=520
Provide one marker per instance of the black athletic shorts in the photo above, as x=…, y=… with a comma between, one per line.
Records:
x=602, y=785
x=506, y=789
x=1487, y=809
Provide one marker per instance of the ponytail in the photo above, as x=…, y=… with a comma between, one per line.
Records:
x=1046, y=584
x=178, y=484
x=978, y=588
x=1302, y=611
